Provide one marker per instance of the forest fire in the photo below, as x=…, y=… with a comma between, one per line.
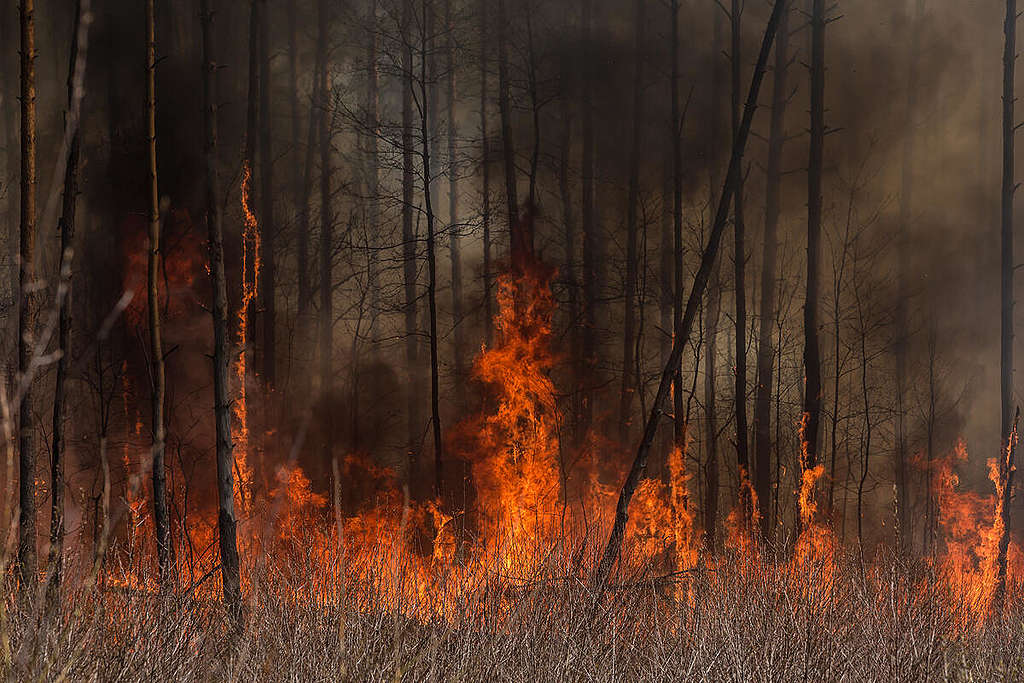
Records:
x=485, y=340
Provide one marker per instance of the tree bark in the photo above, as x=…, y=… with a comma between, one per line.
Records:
x=27, y=309
x=589, y=280
x=435, y=419
x=454, y=249
x=614, y=546
x=485, y=177
x=373, y=172
x=745, y=493
x=520, y=236
x=305, y=293
x=409, y=247
x=268, y=230
x=66, y=227
x=326, y=346
x=904, y=527
x=161, y=510
x=812, y=353
x=226, y=522
x=629, y=380
x=769, y=268
x=1008, y=427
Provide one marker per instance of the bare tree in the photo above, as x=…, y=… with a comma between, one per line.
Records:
x=1008, y=433
x=629, y=381
x=409, y=244
x=226, y=522
x=812, y=353
x=161, y=511
x=765, y=349
x=454, y=250
x=326, y=229
x=27, y=309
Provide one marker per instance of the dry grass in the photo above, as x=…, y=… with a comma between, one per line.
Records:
x=724, y=623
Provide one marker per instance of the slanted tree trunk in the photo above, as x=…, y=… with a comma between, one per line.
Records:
x=268, y=232
x=1008, y=427
x=27, y=309
x=765, y=350
x=629, y=380
x=66, y=227
x=226, y=522
x=614, y=546
x=454, y=249
x=425, y=124
x=812, y=353
x=161, y=509
x=409, y=245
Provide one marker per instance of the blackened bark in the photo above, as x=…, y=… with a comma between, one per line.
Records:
x=589, y=346
x=268, y=230
x=326, y=345
x=66, y=227
x=812, y=353
x=765, y=350
x=454, y=248
x=409, y=244
x=161, y=508
x=629, y=380
x=485, y=176
x=1008, y=428
x=226, y=522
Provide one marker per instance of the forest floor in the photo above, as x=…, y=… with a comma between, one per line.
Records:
x=730, y=620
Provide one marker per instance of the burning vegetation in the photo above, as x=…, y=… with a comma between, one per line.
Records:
x=315, y=391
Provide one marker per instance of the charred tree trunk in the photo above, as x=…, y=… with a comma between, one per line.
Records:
x=66, y=227
x=326, y=235
x=812, y=353
x=253, y=96
x=226, y=522
x=485, y=176
x=27, y=309
x=629, y=380
x=765, y=350
x=904, y=528
x=569, y=232
x=454, y=249
x=745, y=494
x=679, y=422
x=268, y=233
x=435, y=418
x=589, y=322
x=161, y=509
x=614, y=546
x=305, y=293
x=1008, y=427
x=373, y=173
x=520, y=235
x=409, y=244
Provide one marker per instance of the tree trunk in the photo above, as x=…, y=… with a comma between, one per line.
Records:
x=614, y=546
x=569, y=232
x=765, y=350
x=435, y=419
x=66, y=228
x=1008, y=429
x=745, y=494
x=812, y=353
x=589, y=323
x=27, y=309
x=226, y=523
x=485, y=176
x=326, y=346
x=268, y=232
x=305, y=293
x=409, y=245
x=520, y=237
x=373, y=173
x=458, y=331
x=904, y=518
x=253, y=96
x=629, y=380
x=161, y=511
